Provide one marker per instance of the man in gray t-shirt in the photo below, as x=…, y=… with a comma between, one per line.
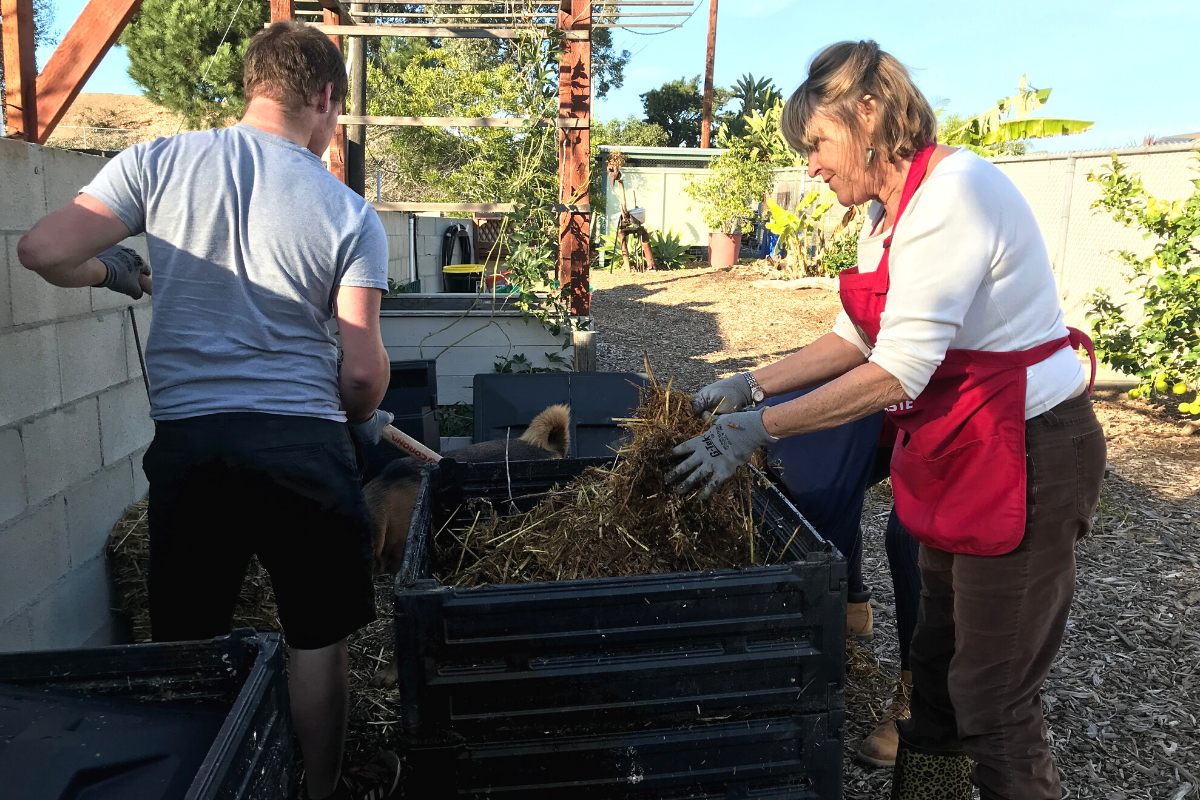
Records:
x=255, y=248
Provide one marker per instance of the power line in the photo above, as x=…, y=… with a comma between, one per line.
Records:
x=211, y=59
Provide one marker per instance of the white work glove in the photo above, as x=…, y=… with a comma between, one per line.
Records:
x=368, y=433
x=713, y=456
x=726, y=396
x=124, y=266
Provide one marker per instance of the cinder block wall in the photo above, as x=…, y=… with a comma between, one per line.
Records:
x=430, y=229
x=74, y=420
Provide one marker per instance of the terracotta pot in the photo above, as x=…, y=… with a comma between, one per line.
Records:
x=723, y=249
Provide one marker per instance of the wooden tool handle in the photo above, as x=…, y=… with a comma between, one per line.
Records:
x=145, y=282
x=409, y=445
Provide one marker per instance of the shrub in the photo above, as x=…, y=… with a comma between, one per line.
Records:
x=1163, y=349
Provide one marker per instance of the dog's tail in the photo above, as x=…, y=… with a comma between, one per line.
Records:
x=551, y=430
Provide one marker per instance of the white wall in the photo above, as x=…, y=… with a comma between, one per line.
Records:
x=74, y=420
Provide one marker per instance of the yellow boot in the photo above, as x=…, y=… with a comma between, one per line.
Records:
x=879, y=749
x=859, y=620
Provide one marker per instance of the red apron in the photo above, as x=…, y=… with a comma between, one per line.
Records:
x=958, y=469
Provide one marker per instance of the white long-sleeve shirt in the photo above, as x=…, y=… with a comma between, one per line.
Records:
x=969, y=271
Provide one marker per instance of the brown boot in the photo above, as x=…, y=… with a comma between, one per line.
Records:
x=859, y=621
x=879, y=749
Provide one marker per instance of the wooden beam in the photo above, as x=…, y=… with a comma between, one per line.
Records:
x=20, y=70
x=442, y=32
x=457, y=122
x=337, y=145
x=343, y=16
x=574, y=168
x=283, y=10
x=76, y=58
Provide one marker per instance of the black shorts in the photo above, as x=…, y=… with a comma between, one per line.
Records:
x=225, y=486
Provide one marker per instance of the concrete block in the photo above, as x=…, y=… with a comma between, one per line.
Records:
x=12, y=475
x=61, y=449
x=65, y=173
x=141, y=486
x=143, y=314
x=92, y=354
x=6, y=318
x=29, y=366
x=33, y=555
x=16, y=634
x=34, y=300
x=125, y=423
x=74, y=609
x=23, y=201
x=93, y=507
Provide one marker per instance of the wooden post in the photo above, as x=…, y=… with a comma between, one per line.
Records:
x=20, y=70
x=574, y=169
x=95, y=31
x=283, y=9
x=337, y=146
x=707, y=114
x=356, y=135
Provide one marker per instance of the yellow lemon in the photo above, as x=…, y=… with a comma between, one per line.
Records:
x=1185, y=408
x=1179, y=388
x=1195, y=409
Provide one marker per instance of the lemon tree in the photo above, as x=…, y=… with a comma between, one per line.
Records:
x=1162, y=349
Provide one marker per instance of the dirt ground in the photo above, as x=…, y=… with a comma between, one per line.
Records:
x=112, y=122
x=1123, y=699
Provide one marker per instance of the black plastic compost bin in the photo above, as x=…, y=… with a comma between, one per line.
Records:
x=192, y=720
x=727, y=683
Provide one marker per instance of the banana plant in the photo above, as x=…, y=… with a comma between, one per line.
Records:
x=796, y=229
x=1009, y=121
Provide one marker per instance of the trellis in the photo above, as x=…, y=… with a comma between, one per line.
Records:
x=573, y=19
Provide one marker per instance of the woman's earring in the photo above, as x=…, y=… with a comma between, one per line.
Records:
x=870, y=156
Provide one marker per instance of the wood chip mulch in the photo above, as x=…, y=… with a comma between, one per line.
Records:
x=1123, y=699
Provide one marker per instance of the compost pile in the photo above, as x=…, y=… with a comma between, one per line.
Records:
x=611, y=522
x=128, y=554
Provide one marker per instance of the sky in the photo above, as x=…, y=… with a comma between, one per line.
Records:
x=1129, y=66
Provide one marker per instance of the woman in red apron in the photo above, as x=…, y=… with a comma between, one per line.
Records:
x=957, y=333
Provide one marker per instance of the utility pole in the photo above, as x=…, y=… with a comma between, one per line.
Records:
x=356, y=135
x=707, y=116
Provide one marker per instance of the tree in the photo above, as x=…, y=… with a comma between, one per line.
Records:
x=43, y=34
x=757, y=95
x=631, y=132
x=676, y=107
x=994, y=131
x=171, y=44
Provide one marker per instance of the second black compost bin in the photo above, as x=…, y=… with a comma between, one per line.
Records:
x=724, y=683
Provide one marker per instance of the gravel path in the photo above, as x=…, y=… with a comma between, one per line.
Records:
x=1123, y=700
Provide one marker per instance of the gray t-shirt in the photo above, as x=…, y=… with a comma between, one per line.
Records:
x=249, y=238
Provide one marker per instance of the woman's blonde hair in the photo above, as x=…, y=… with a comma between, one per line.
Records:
x=839, y=78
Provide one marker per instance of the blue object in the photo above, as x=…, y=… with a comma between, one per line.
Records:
x=826, y=474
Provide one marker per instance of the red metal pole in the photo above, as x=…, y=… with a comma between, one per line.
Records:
x=20, y=70
x=575, y=105
x=707, y=116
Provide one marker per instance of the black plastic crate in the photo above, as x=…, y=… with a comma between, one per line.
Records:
x=233, y=687
x=505, y=404
x=615, y=654
x=775, y=758
x=412, y=388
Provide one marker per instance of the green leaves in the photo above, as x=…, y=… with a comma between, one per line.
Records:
x=1164, y=346
x=736, y=180
x=1009, y=121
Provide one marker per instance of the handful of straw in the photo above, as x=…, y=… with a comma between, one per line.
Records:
x=611, y=522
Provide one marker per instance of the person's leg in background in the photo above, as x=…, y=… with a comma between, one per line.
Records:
x=879, y=747
x=826, y=475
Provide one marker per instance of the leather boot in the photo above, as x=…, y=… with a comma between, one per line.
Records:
x=922, y=774
x=879, y=749
x=859, y=620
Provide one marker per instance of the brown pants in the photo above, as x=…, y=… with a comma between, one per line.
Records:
x=989, y=627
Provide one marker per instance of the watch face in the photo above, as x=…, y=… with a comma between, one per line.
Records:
x=758, y=395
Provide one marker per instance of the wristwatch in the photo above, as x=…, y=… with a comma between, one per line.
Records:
x=756, y=392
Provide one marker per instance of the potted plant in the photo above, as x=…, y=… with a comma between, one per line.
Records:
x=736, y=182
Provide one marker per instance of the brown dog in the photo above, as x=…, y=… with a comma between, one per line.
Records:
x=392, y=495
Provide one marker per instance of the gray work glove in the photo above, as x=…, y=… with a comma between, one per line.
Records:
x=124, y=266
x=368, y=433
x=715, y=455
x=726, y=396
